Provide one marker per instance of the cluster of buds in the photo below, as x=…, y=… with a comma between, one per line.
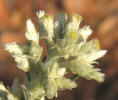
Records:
x=66, y=48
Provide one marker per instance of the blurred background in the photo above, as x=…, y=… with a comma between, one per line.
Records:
x=101, y=15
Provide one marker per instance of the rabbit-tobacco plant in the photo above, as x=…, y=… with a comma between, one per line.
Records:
x=67, y=48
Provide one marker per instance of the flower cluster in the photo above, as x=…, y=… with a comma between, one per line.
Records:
x=66, y=48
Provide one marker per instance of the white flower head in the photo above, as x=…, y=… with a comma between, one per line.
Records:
x=2, y=87
x=22, y=62
x=85, y=32
x=96, y=55
x=40, y=14
x=13, y=48
x=31, y=33
x=46, y=26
